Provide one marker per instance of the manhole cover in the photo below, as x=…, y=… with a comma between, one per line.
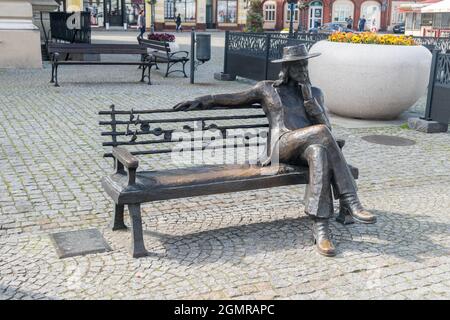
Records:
x=80, y=242
x=389, y=140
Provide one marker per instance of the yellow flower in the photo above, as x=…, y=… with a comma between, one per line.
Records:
x=369, y=38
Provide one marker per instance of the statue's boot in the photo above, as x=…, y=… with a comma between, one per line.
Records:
x=350, y=205
x=322, y=237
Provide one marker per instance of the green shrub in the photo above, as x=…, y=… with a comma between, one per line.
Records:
x=254, y=17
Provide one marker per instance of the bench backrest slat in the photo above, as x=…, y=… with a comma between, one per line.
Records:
x=166, y=130
x=160, y=151
x=96, y=48
x=155, y=45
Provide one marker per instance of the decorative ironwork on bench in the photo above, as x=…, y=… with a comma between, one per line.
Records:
x=134, y=127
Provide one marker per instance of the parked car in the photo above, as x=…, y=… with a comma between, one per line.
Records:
x=330, y=28
x=399, y=28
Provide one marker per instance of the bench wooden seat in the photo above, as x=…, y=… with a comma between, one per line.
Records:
x=60, y=53
x=161, y=53
x=128, y=186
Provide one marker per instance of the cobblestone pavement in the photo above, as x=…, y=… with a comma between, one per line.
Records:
x=254, y=244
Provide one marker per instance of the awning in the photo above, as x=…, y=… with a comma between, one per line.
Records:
x=439, y=7
x=416, y=7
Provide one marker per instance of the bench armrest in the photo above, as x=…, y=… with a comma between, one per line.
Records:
x=186, y=54
x=125, y=158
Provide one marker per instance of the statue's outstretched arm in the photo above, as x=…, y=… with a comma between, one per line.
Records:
x=246, y=97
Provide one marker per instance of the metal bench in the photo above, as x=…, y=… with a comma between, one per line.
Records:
x=161, y=53
x=58, y=50
x=127, y=186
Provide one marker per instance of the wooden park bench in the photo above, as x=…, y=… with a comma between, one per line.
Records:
x=161, y=53
x=128, y=186
x=60, y=54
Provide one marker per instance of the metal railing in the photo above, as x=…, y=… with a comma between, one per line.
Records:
x=441, y=44
x=438, y=97
x=248, y=55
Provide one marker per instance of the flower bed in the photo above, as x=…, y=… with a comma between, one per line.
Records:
x=372, y=38
x=167, y=37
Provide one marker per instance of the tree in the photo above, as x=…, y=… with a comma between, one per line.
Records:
x=254, y=17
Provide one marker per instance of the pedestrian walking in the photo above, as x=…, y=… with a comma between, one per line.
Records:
x=349, y=21
x=178, y=23
x=141, y=24
x=362, y=23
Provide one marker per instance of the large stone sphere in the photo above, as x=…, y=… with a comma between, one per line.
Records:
x=370, y=81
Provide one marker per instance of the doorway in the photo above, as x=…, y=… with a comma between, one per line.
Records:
x=315, y=15
x=210, y=16
x=114, y=12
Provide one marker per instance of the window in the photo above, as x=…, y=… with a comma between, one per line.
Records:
x=426, y=20
x=397, y=16
x=416, y=21
x=227, y=11
x=408, y=20
x=288, y=12
x=269, y=12
x=441, y=20
x=186, y=9
x=95, y=7
x=342, y=9
x=133, y=7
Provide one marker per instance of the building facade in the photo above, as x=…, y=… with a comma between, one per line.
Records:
x=201, y=14
x=381, y=14
x=231, y=14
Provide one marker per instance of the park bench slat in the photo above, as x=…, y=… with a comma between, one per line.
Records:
x=161, y=53
x=57, y=50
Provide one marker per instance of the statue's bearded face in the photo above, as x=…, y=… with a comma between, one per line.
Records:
x=298, y=71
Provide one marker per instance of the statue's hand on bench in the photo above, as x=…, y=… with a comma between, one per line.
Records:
x=189, y=105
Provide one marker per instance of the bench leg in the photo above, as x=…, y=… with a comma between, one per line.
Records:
x=56, y=76
x=149, y=70
x=167, y=70
x=53, y=74
x=137, y=238
x=184, y=71
x=143, y=72
x=117, y=222
x=343, y=216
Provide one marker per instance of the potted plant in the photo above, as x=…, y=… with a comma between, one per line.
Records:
x=370, y=76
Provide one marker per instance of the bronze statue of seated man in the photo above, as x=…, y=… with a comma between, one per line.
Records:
x=300, y=132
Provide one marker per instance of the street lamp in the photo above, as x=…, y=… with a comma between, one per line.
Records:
x=292, y=4
x=152, y=4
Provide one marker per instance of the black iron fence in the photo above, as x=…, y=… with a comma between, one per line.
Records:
x=441, y=44
x=248, y=55
x=71, y=27
x=438, y=98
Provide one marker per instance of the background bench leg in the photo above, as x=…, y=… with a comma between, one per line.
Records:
x=143, y=72
x=167, y=70
x=343, y=217
x=149, y=70
x=117, y=222
x=137, y=238
x=53, y=74
x=56, y=76
x=184, y=71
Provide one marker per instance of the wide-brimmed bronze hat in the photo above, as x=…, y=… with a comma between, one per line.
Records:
x=295, y=53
